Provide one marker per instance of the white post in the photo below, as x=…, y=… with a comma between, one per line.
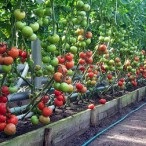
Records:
x=36, y=55
x=37, y=58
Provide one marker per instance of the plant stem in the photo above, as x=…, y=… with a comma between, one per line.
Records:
x=53, y=16
x=32, y=102
x=3, y=80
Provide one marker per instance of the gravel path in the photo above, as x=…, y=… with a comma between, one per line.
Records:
x=130, y=132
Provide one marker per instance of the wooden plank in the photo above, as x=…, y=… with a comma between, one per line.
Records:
x=142, y=93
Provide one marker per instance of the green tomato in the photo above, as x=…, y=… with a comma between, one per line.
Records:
x=63, y=21
x=86, y=7
x=73, y=40
x=88, y=41
x=70, y=72
x=120, y=68
x=40, y=22
x=33, y=37
x=34, y=26
x=46, y=59
x=37, y=67
x=64, y=87
x=84, y=23
x=54, y=61
x=39, y=12
x=18, y=14
x=101, y=28
x=109, y=32
x=39, y=73
x=101, y=38
x=133, y=70
x=107, y=39
x=54, y=39
x=27, y=31
x=50, y=68
x=43, y=44
x=6, y=68
x=47, y=11
x=11, y=80
x=83, y=44
x=19, y=25
x=13, y=89
x=82, y=13
x=80, y=4
x=73, y=49
x=112, y=68
x=48, y=3
x=74, y=20
x=111, y=62
x=67, y=46
x=51, y=48
x=34, y=120
x=56, y=85
x=45, y=21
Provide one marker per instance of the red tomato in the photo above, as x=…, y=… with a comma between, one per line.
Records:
x=82, y=55
x=58, y=76
x=89, y=54
x=79, y=86
x=60, y=98
x=90, y=74
x=47, y=111
x=5, y=90
x=14, y=52
x=3, y=108
x=13, y=119
x=2, y=118
x=109, y=76
x=3, y=48
x=120, y=83
x=88, y=34
x=69, y=64
x=45, y=99
x=91, y=106
x=41, y=105
x=69, y=57
x=2, y=126
x=8, y=60
x=57, y=102
x=57, y=93
x=102, y=101
x=61, y=59
x=3, y=99
x=10, y=129
x=102, y=48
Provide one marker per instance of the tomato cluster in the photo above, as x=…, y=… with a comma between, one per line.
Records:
x=42, y=111
x=8, y=56
x=8, y=121
x=59, y=98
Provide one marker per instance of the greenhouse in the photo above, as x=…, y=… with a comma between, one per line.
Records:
x=72, y=72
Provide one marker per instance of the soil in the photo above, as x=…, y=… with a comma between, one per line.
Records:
x=130, y=132
x=78, y=140
x=75, y=107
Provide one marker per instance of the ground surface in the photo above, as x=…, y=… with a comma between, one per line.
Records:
x=130, y=132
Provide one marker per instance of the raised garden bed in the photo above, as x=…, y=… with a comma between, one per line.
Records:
x=63, y=130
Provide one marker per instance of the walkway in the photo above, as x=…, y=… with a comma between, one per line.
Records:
x=130, y=132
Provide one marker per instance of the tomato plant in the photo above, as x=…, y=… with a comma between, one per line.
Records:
x=83, y=44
